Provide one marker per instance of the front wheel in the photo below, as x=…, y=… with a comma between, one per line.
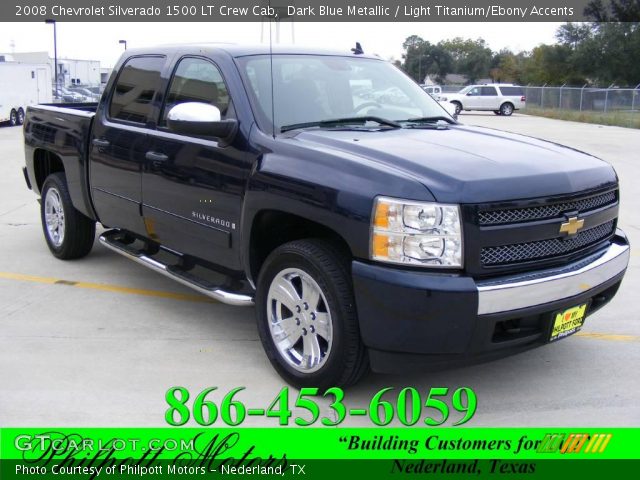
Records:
x=458, y=106
x=307, y=318
x=69, y=233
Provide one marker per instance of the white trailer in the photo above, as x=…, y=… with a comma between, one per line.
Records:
x=21, y=85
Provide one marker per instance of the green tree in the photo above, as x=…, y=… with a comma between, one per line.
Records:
x=469, y=57
x=613, y=11
x=552, y=65
x=573, y=34
x=506, y=66
x=421, y=58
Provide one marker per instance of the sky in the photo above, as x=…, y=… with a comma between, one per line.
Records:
x=99, y=41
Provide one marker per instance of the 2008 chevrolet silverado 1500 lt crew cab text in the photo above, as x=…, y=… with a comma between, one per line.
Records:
x=368, y=229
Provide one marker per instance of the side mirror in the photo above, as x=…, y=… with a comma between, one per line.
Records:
x=200, y=119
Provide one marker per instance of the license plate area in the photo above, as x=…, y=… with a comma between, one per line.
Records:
x=567, y=322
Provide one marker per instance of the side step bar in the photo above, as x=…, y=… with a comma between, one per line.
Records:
x=111, y=240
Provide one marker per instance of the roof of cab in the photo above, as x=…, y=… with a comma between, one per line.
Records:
x=235, y=50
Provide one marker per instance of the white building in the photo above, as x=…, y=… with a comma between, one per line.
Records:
x=105, y=73
x=70, y=71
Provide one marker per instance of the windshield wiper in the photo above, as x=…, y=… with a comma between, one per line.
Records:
x=433, y=119
x=342, y=121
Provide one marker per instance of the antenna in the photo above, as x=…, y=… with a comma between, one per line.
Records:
x=273, y=103
x=277, y=13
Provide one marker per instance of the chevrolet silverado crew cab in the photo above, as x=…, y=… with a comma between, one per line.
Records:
x=501, y=98
x=367, y=232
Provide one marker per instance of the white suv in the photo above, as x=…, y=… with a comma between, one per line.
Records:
x=501, y=98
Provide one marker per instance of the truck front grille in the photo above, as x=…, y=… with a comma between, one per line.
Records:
x=544, y=249
x=544, y=212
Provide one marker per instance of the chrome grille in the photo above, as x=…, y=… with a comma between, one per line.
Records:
x=515, y=215
x=522, y=252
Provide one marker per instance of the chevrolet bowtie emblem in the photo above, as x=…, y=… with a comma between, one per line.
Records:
x=572, y=226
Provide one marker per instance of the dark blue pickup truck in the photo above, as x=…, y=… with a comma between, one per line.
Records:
x=367, y=226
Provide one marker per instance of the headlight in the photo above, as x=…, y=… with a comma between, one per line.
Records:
x=416, y=233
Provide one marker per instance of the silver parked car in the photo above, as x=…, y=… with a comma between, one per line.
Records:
x=500, y=98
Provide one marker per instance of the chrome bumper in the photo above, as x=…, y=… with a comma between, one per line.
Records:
x=544, y=286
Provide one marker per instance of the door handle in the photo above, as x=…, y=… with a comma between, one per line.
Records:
x=100, y=143
x=156, y=157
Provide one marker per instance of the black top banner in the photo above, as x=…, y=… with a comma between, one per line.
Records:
x=296, y=10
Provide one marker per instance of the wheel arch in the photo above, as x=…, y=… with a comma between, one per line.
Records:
x=271, y=228
x=45, y=163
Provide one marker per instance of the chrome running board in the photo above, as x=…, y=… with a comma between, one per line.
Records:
x=113, y=241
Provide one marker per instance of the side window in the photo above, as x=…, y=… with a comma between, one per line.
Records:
x=512, y=91
x=474, y=92
x=134, y=91
x=196, y=80
x=488, y=91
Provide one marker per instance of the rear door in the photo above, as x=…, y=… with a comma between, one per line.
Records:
x=120, y=140
x=192, y=186
x=489, y=98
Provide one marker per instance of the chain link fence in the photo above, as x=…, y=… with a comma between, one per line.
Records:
x=585, y=98
x=582, y=99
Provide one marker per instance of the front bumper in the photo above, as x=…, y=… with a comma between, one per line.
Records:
x=417, y=319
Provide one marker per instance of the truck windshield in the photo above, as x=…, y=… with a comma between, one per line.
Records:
x=312, y=89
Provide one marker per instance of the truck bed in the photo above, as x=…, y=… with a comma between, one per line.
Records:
x=61, y=129
x=83, y=107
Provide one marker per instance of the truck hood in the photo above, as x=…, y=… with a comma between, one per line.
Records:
x=464, y=164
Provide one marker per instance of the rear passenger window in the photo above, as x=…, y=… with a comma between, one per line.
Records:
x=488, y=91
x=135, y=88
x=196, y=80
x=512, y=91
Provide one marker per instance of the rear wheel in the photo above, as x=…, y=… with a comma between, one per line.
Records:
x=307, y=318
x=69, y=233
x=506, y=109
x=20, y=116
x=13, y=118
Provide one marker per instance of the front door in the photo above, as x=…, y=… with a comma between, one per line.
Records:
x=473, y=100
x=192, y=187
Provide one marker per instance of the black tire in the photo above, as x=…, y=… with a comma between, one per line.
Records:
x=458, y=107
x=20, y=116
x=78, y=231
x=506, y=109
x=13, y=118
x=497, y=112
x=346, y=359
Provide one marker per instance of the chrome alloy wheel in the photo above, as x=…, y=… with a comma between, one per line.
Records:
x=54, y=216
x=299, y=320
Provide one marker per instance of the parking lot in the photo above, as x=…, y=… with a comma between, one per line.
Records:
x=98, y=341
